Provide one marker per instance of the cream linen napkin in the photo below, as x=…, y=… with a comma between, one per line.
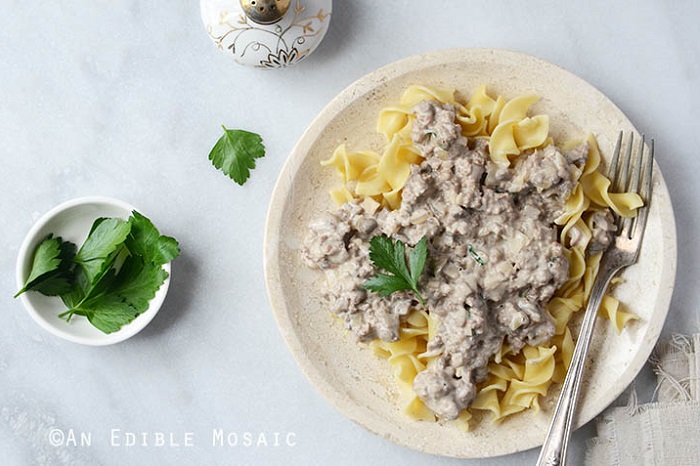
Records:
x=665, y=432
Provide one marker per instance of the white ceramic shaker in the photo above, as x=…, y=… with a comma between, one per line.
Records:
x=267, y=33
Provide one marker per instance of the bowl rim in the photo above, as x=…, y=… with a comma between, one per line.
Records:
x=27, y=248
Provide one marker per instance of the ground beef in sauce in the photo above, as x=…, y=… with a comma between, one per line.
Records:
x=467, y=207
x=603, y=226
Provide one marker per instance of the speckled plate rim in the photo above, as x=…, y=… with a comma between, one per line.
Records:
x=351, y=407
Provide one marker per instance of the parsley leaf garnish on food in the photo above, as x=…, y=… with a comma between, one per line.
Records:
x=391, y=257
x=114, y=275
x=51, y=268
x=235, y=153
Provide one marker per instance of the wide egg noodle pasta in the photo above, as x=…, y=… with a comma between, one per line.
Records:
x=341, y=195
x=495, y=116
x=397, y=120
x=351, y=165
x=416, y=94
x=575, y=206
x=502, y=145
x=371, y=182
x=597, y=189
x=562, y=309
x=593, y=159
x=516, y=109
x=472, y=121
x=406, y=358
x=393, y=121
x=395, y=164
x=487, y=399
x=524, y=393
x=503, y=122
x=530, y=133
x=482, y=100
x=610, y=308
x=515, y=382
x=392, y=199
x=597, y=186
x=513, y=137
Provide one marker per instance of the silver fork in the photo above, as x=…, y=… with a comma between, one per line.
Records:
x=623, y=252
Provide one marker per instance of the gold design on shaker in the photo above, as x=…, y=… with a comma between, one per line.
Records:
x=285, y=44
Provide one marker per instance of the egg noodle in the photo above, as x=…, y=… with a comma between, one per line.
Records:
x=515, y=382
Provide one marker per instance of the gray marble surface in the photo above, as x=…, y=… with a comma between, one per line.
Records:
x=126, y=98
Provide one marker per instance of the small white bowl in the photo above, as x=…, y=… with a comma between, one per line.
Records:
x=72, y=221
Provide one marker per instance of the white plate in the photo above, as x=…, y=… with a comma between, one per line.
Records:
x=72, y=221
x=360, y=384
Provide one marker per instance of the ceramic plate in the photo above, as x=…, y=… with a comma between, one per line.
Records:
x=360, y=384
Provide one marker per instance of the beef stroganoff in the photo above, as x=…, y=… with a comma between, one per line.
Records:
x=515, y=226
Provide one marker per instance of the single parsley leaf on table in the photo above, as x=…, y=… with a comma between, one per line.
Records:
x=391, y=256
x=235, y=153
x=51, y=267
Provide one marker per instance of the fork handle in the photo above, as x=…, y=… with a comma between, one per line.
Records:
x=554, y=448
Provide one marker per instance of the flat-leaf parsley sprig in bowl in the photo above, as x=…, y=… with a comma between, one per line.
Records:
x=107, y=289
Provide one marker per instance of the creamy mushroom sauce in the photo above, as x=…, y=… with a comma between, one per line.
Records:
x=494, y=260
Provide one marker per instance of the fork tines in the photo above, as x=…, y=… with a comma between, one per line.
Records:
x=626, y=179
